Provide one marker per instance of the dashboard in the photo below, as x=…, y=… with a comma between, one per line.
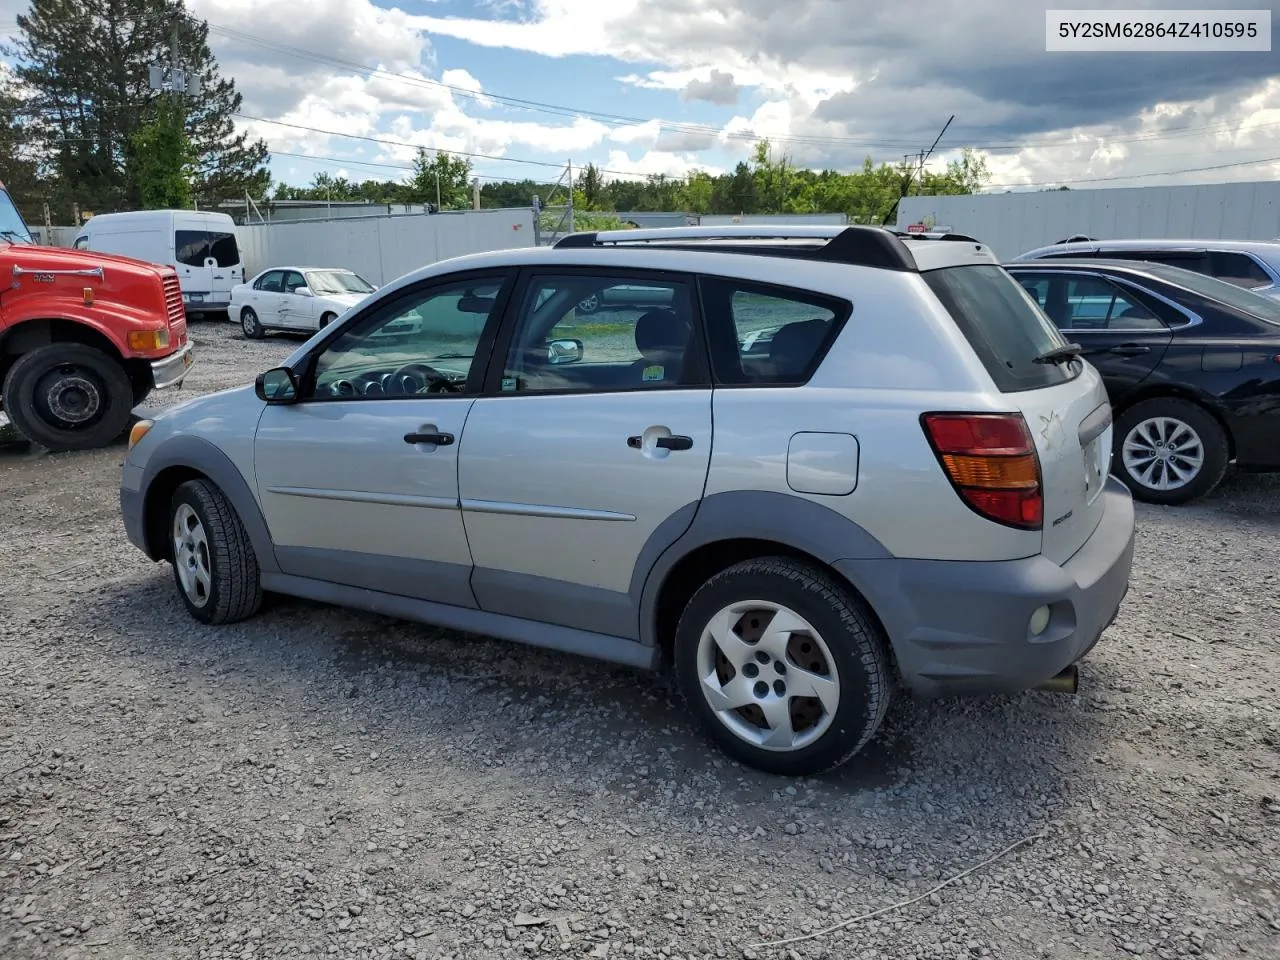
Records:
x=404, y=381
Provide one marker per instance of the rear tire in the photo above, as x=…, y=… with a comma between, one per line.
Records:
x=1169, y=451
x=251, y=325
x=794, y=699
x=214, y=566
x=68, y=396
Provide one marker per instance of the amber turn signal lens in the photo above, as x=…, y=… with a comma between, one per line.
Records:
x=138, y=431
x=1002, y=472
x=148, y=339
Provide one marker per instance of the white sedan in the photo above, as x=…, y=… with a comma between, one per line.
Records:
x=295, y=298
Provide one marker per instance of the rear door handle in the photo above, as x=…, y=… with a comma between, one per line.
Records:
x=1130, y=350
x=439, y=439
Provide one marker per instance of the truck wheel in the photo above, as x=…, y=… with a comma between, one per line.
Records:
x=251, y=325
x=783, y=665
x=67, y=396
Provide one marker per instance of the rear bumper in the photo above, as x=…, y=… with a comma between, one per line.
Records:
x=170, y=371
x=962, y=627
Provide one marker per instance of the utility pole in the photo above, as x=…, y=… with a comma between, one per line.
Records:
x=570, y=171
x=437, y=183
x=923, y=156
x=475, y=193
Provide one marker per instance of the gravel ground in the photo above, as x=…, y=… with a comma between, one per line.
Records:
x=324, y=782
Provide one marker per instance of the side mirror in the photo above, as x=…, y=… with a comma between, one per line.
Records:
x=303, y=291
x=564, y=351
x=278, y=385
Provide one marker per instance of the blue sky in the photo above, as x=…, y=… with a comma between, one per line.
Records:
x=829, y=82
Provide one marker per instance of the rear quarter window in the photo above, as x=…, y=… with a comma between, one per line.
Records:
x=1003, y=324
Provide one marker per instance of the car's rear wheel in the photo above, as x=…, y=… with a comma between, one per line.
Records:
x=1169, y=451
x=68, y=396
x=251, y=325
x=214, y=565
x=783, y=665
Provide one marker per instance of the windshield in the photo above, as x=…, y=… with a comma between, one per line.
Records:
x=12, y=227
x=337, y=282
x=1255, y=304
x=1006, y=328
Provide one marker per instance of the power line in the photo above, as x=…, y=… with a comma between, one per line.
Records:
x=418, y=146
x=682, y=127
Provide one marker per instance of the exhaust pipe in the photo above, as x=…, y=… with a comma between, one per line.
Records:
x=1068, y=681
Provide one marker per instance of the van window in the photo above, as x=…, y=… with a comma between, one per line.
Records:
x=82, y=243
x=1004, y=325
x=193, y=247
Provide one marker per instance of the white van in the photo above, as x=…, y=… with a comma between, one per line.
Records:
x=200, y=246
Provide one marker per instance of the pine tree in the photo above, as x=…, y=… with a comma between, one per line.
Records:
x=87, y=63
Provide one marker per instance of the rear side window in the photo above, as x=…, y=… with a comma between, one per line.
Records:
x=193, y=247
x=1185, y=259
x=1238, y=268
x=1003, y=324
x=763, y=334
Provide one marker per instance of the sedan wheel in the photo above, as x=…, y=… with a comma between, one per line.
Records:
x=251, y=325
x=214, y=565
x=1169, y=450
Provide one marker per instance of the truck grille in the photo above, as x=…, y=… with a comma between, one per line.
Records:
x=173, y=302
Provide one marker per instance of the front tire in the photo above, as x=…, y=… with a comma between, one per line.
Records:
x=68, y=396
x=214, y=566
x=1169, y=451
x=327, y=319
x=251, y=325
x=783, y=666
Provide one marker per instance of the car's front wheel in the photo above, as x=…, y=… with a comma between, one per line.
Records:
x=783, y=665
x=214, y=565
x=1169, y=450
x=327, y=319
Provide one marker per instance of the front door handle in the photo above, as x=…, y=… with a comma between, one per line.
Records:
x=439, y=439
x=1130, y=350
x=664, y=443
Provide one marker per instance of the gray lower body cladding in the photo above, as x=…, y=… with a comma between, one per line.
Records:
x=959, y=627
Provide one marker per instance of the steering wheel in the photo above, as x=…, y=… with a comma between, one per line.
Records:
x=436, y=381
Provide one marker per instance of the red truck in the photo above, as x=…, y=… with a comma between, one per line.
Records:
x=84, y=337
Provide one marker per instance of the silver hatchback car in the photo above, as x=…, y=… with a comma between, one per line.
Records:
x=808, y=465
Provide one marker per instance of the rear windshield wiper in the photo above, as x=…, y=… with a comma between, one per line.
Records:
x=1060, y=354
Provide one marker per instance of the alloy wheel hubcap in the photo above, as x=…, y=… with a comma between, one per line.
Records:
x=191, y=555
x=768, y=675
x=1163, y=453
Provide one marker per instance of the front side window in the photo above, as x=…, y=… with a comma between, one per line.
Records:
x=762, y=334
x=292, y=281
x=603, y=334
x=194, y=247
x=325, y=283
x=417, y=344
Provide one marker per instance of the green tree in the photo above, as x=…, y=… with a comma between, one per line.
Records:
x=87, y=65
x=441, y=175
x=592, y=190
x=18, y=166
x=160, y=160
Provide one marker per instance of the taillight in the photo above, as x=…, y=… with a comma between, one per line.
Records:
x=990, y=458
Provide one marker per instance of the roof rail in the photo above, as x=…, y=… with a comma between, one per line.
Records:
x=854, y=245
x=958, y=237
